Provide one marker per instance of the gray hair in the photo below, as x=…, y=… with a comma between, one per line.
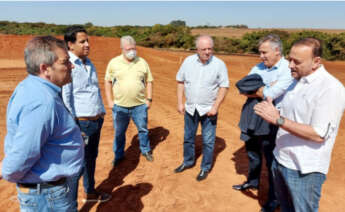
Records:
x=41, y=50
x=127, y=39
x=274, y=41
x=197, y=40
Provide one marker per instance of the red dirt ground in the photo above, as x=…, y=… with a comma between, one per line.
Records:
x=137, y=185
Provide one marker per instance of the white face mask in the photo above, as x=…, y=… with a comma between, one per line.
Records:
x=131, y=54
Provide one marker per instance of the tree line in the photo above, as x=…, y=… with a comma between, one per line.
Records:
x=177, y=35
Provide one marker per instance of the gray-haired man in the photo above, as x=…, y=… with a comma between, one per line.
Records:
x=276, y=75
x=128, y=89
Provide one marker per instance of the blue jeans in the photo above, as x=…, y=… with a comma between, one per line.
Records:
x=208, y=131
x=297, y=192
x=121, y=118
x=55, y=199
x=91, y=132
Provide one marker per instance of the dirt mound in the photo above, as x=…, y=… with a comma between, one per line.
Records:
x=137, y=185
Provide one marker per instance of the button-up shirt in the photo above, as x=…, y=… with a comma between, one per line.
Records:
x=280, y=72
x=82, y=96
x=317, y=100
x=43, y=142
x=202, y=82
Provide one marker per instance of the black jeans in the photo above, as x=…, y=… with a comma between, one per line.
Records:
x=256, y=146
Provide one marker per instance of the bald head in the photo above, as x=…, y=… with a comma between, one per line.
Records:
x=204, y=45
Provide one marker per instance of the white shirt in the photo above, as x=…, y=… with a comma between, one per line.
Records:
x=317, y=100
x=202, y=82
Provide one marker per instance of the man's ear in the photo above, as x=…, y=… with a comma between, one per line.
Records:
x=316, y=62
x=44, y=69
x=70, y=45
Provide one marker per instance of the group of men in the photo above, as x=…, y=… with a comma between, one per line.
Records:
x=55, y=116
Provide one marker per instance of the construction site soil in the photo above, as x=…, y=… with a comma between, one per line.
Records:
x=138, y=185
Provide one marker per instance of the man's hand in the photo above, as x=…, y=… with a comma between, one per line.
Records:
x=212, y=112
x=258, y=94
x=148, y=103
x=273, y=83
x=110, y=105
x=267, y=111
x=180, y=108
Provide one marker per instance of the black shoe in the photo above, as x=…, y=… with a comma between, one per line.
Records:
x=270, y=206
x=181, y=168
x=202, y=175
x=244, y=186
x=116, y=162
x=148, y=156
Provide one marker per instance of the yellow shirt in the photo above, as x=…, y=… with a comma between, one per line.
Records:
x=129, y=80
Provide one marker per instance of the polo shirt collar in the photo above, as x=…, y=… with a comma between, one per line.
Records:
x=124, y=60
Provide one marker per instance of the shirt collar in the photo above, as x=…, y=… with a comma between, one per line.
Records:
x=76, y=59
x=313, y=76
x=208, y=62
x=277, y=65
x=45, y=82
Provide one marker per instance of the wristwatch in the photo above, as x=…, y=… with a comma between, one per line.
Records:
x=280, y=121
x=148, y=99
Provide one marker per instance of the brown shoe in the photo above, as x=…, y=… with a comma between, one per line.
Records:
x=97, y=197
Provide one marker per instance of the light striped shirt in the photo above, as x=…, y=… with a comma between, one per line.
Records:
x=82, y=96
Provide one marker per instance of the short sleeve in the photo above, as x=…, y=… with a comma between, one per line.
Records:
x=149, y=77
x=180, y=76
x=223, y=76
x=109, y=72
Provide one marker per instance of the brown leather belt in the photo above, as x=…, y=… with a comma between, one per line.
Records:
x=92, y=118
x=43, y=184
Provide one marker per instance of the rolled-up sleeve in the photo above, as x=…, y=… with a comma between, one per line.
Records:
x=332, y=103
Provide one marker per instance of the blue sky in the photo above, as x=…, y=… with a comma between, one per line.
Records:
x=255, y=14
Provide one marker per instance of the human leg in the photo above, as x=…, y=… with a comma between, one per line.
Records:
x=121, y=121
x=299, y=192
x=253, y=148
x=208, y=128
x=139, y=116
x=268, y=144
x=92, y=133
x=190, y=128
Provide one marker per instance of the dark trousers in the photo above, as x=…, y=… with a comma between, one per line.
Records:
x=91, y=132
x=256, y=146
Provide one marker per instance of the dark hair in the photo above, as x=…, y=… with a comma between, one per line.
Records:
x=314, y=43
x=71, y=33
x=41, y=50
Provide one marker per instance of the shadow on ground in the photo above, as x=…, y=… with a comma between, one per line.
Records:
x=241, y=166
x=127, y=198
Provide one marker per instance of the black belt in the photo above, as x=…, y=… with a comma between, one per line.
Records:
x=43, y=184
